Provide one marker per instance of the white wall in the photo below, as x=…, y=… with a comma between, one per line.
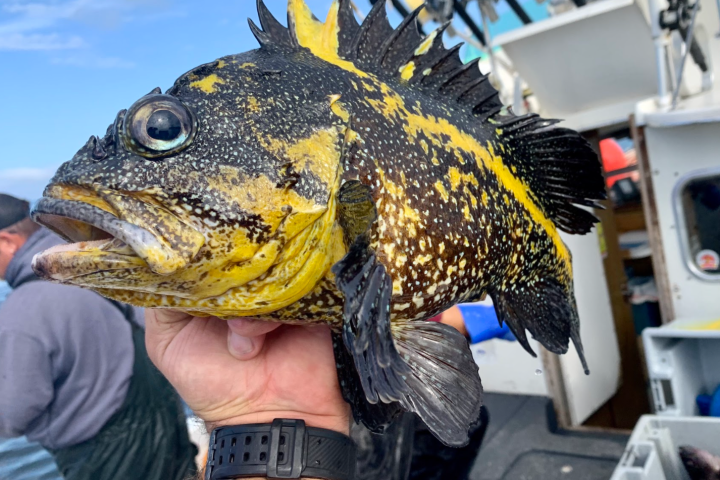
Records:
x=673, y=153
x=586, y=393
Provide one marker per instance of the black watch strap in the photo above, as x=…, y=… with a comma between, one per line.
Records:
x=283, y=449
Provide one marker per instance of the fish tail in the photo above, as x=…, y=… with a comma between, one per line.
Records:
x=445, y=388
x=545, y=307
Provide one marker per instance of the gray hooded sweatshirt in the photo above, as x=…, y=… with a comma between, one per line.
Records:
x=66, y=356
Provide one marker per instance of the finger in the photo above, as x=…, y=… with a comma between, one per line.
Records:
x=244, y=348
x=248, y=327
x=163, y=315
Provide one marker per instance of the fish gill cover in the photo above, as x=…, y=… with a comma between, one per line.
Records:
x=348, y=174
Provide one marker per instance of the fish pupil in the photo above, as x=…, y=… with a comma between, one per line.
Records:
x=163, y=125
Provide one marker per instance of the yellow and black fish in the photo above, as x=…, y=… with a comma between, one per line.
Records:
x=355, y=175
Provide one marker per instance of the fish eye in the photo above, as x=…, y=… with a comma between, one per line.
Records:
x=163, y=125
x=158, y=125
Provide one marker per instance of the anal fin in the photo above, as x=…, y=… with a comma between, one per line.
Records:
x=546, y=310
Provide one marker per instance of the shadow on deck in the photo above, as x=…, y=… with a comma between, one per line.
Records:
x=520, y=445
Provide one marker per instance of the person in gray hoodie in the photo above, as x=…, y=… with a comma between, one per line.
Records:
x=74, y=372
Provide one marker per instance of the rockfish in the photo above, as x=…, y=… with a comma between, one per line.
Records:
x=346, y=174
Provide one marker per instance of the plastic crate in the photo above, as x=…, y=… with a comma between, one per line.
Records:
x=652, y=451
x=683, y=360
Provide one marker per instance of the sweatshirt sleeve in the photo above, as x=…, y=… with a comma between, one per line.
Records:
x=26, y=384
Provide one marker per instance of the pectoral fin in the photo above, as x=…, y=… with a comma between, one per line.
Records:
x=367, y=288
x=421, y=366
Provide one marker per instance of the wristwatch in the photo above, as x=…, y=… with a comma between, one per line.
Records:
x=282, y=449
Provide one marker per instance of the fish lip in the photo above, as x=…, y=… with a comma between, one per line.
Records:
x=132, y=235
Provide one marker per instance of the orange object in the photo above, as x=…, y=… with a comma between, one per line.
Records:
x=614, y=158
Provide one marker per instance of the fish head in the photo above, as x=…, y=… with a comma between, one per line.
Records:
x=199, y=190
x=700, y=464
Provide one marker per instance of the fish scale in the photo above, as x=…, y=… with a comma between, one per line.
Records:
x=347, y=174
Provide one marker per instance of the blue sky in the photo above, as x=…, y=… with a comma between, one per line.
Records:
x=68, y=66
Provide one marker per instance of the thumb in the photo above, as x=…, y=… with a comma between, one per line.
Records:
x=244, y=348
x=247, y=336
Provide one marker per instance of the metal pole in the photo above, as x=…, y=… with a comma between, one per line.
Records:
x=518, y=100
x=688, y=41
x=520, y=11
x=360, y=13
x=660, y=41
x=491, y=54
x=460, y=9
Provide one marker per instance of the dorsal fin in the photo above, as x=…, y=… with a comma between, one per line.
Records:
x=428, y=52
x=348, y=27
x=371, y=36
x=376, y=48
x=398, y=47
x=444, y=67
x=557, y=164
x=273, y=32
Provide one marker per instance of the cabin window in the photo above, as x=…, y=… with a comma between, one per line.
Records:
x=697, y=208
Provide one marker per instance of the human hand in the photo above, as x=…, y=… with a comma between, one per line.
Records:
x=248, y=371
x=454, y=318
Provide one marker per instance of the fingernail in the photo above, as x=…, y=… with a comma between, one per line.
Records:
x=239, y=346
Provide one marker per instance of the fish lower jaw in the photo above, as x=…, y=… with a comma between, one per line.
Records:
x=70, y=262
x=109, y=245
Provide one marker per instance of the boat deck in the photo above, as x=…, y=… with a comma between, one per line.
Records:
x=520, y=445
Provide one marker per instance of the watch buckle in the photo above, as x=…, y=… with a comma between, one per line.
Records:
x=294, y=463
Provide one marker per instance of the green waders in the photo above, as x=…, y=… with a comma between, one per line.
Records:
x=146, y=439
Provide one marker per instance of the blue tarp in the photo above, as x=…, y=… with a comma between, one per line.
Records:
x=482, y=323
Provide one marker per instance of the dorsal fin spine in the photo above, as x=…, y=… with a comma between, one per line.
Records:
x=479, y=81
x=459, y=72
x=481, y=106
x=373, y=32
x=408, y=22
x=348, y=27
x=273, y=31
x=353, y=47
x=259, y=35
x=439, y=63
x=292, y=26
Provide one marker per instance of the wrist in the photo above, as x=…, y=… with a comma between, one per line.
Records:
x=283, y=448
x=340, y=424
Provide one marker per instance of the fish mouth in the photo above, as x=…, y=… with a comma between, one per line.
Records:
x=101, y=241
x=98, y=240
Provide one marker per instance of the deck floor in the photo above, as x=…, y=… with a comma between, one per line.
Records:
x=519, y=445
